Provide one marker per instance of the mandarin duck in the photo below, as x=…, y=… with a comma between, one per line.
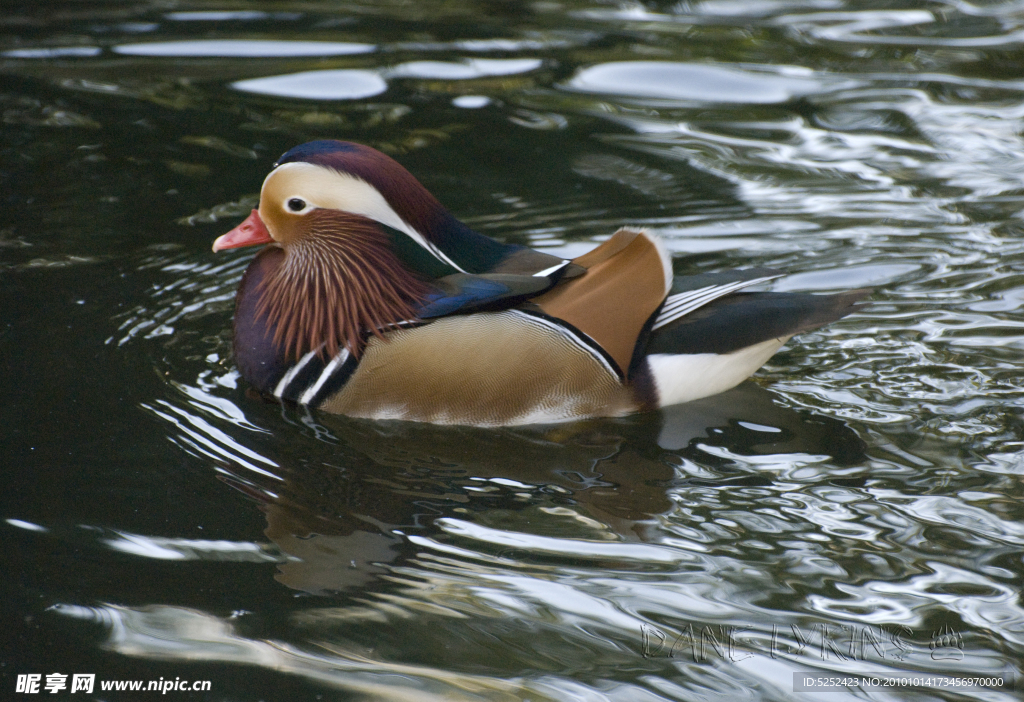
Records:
x=370, y=299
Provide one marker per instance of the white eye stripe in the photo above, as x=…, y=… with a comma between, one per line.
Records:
x=340, y=191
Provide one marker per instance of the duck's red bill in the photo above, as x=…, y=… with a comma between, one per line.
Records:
x=249, y=233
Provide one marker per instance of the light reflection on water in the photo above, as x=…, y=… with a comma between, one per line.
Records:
x=856, y=509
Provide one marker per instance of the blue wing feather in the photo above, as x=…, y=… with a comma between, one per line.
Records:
x=463, y=292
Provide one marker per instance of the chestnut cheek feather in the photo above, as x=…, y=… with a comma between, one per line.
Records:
x=338, y=282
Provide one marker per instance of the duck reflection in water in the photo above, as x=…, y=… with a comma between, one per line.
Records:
x=365, y=490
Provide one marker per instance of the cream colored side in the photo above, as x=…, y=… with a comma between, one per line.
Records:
x=684, y=377
x=487, y=369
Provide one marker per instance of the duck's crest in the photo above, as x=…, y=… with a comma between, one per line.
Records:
x=319, y=152
x=431, y=225
x=406, y=196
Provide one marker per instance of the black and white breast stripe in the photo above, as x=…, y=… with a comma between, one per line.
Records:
x=681, y=304
x=284, y=387
x=312, y=379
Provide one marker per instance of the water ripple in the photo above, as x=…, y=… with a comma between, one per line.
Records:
x=856, y=508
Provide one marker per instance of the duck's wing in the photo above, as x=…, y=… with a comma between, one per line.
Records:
x=626, y=281
x=697, y=352
x=464, y=292
x=737, y=321
x=692, y=292
x=502, y=276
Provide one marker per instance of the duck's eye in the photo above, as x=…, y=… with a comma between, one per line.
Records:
x=296, y=204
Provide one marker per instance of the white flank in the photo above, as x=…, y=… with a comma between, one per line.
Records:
x=326, y=188
x=686, y=377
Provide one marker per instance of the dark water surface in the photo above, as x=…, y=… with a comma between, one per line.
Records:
x=856, y=508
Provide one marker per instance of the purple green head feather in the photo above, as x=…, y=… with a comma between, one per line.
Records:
x=409, y=199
